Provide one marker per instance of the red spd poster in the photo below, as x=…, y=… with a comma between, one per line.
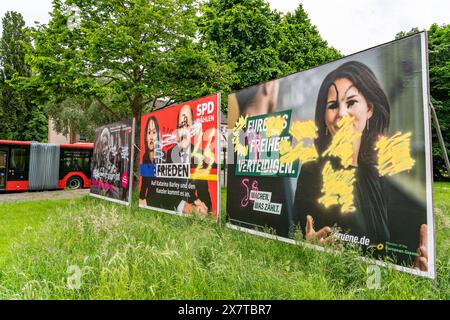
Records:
x=178, y=159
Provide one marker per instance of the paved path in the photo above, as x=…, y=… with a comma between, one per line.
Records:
x=42, y=195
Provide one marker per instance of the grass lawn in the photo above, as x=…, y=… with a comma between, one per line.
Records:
x=132, y=253
x=19, y=221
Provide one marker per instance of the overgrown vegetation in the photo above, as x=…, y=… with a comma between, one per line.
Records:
x=439, y=73
x=21, y=118
x=132, y=253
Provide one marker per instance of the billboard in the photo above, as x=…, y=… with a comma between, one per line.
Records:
x=339, y=155
x=179, y=157
x=112, y=162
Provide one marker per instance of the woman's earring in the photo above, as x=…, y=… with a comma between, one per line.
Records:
x=368, y=125
x=326, y=131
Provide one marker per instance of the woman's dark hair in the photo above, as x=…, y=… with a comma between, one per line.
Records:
x=147, y=152
x=367, y=84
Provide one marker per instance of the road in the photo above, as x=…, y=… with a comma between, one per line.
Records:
x=42, y=195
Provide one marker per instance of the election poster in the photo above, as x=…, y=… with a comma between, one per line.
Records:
x=179, y=157
x=339, y=156
x=112, y=162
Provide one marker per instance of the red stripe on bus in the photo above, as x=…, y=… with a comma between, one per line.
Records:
x=78, y=146
x=18, y=143
x=16, y=185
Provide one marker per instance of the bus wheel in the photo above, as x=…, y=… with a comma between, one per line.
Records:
x=74, y=183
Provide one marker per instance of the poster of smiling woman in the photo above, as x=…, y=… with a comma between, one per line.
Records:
x=340, y=155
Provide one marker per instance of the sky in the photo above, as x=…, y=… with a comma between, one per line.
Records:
x=354, y=25
x=348, y=25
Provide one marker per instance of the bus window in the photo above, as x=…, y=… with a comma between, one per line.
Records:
x=75, y=160
x=18, y=160
x=18, y=163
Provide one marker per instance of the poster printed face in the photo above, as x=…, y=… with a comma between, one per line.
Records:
x=344, y=99
x=184, y=127
x=152, y=136
x=105, y=137
x=340, y=157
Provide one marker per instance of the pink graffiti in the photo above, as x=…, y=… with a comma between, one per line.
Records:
x=124, y=180
x=103, y=185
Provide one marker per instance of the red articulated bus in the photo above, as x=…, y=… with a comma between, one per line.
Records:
x=43, y=166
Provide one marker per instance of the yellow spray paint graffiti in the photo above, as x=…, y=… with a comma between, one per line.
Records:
x=300, y=131
x=242, y=150
x=342, y=143
x=274, y=126
x=394, y=154
x=337, y=188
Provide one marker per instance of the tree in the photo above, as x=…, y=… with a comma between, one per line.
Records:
x=439, y=73
x=79, y=115
x=123, y=55
x=259, y=43
x=21, y=119
x=439, y=60
x=244, y=34
x=301, y=46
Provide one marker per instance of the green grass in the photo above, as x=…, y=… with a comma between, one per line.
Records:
x=22, y=220
x=132, y=253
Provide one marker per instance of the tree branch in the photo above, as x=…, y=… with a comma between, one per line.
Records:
x=107, y=108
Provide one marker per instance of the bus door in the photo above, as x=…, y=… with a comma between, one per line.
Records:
x=3, y=167
x=18, y=165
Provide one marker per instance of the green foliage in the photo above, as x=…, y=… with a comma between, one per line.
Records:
x=301, y=46
x=439, y=73
x=402, y=34
x=259, y=43
x=12, y=49
x=119, y=57
x=439, y=59
x=132, y=253
x=82, y=115
x=21, y=118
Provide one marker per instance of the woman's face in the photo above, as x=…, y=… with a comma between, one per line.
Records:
x=105, y=145
x=152, y=136
x=344, y=99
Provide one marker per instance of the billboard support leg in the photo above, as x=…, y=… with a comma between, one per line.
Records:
x=440, y=138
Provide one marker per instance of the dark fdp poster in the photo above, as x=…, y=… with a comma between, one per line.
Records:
x=340, y=154
x=112, y=162
x=179, y=157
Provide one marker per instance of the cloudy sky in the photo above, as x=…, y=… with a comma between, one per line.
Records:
x=348, y=25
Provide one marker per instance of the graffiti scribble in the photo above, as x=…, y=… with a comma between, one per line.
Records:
x=394, y=154
x=274, y=126
x=342, y=144
x=241, y=149
x=207, y=157
x=337, y=188
x=300, y=131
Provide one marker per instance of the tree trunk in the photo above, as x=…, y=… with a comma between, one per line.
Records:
x=72, y=134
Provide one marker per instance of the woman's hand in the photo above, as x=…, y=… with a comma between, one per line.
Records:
x=313, y=236
x=422, y=259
